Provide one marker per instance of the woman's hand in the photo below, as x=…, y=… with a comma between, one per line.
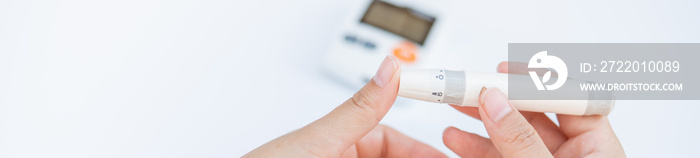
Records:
x=351, y=130
x=530, y=134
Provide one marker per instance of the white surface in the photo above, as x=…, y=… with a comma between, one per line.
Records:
x=211, y=78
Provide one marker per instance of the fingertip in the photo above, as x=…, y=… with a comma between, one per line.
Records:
x=468, y=110
x=466, y=144
x=448, y=129
x=452, y=136
x=484, y=91
x=397, y=68
x=495, y=104
x=502, y=67
x=397, y=73
x=507, y=128
x=448, y=133
x=386, y=71
x=459, y=108
x=394, y=82
x=357, y=116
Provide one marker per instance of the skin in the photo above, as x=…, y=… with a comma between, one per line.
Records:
x=352, y=130
x=533, y=134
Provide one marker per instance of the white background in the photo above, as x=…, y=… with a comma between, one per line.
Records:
x=208, y=78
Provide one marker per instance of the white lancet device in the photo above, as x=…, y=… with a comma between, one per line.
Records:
x=463, y=88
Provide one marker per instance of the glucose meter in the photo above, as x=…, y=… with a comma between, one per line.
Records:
x=404, y=29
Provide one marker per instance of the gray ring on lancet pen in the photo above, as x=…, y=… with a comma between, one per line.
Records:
x=455, y=86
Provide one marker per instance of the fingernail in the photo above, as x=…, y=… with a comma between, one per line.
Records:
x=495, y=104
x=385, y=72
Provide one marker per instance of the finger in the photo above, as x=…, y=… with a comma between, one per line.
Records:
x=335, y=132
x=467, y=144
x=384, y=141
x=512, y=68
x=520, y=69
x=574, y=125
x=545, y=127
x=510, y=132
x=353, y=119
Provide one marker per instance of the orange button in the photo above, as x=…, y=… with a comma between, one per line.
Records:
x=406, y=52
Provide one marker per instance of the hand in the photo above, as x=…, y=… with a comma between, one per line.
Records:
x=351, y=130
x=530, y=134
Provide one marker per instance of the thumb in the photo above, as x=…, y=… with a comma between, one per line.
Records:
x=510, y=132
x=357, y=116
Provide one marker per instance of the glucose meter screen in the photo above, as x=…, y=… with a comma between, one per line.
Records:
x=404, y=22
